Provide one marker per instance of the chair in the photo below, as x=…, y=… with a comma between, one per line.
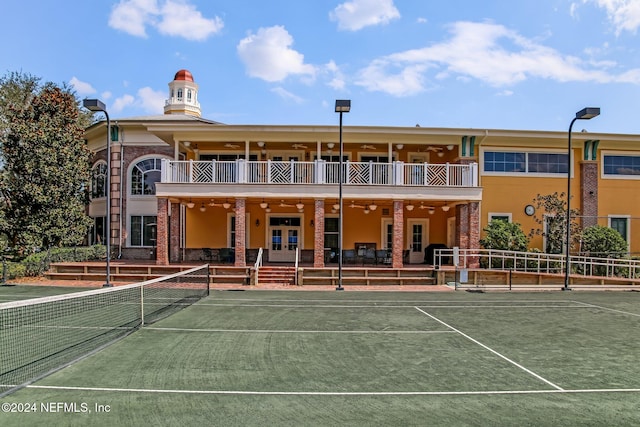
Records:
x=370, y=256
x=383, y=256
x=349, y=256
x=225, y=255
x=207, y=254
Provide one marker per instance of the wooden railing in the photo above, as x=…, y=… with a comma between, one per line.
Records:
x=320, y=172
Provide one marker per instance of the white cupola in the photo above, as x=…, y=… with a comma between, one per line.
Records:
x=183, y=95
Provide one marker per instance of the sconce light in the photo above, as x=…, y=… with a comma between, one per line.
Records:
x=264, y=204
x=366, y=210
x=268, y=209
x=226, y=205
x=311, y=223
x=257, y=223
x=190, y=204
x=336, y=206
x=373, y=206
x=300, y=205
x=591, y=193
x=203, y=207
x=410, y=207
x=431, y=211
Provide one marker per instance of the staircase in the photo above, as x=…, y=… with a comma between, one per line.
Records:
x=270, y=275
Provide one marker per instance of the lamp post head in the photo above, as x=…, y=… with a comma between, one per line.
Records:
x=588, y=113
x=343, y=105
x=94, y=105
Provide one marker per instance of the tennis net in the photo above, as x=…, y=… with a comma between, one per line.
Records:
x=40, y=336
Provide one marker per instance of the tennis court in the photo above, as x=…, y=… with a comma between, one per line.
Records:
x=359, y=358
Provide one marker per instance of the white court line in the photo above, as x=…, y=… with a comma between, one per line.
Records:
x=491, y=350
x=336, y=393
x=383, y=306
x=265, y=331
x=607, y=308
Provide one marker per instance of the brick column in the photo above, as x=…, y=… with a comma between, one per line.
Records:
x=589, y=193
x=241, y=232
x=398, y=234
x=462, y=226
x=474, y=233
x=318, y=234
x=162, y=235
x=116, y=187
x=174, y=233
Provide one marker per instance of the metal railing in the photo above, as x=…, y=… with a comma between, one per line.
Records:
x=538, y=262
x=257, y=265
x=319, y=172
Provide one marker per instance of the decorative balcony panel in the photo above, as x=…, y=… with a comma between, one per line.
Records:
x=320, y=172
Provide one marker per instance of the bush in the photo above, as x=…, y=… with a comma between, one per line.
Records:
x=14, y=270
x=503, y=235
x=38, y=263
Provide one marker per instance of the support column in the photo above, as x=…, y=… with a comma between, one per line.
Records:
x=462, y=226
x=589, y=193
x=162, y=235
x=398, y=234
x=116, y=188
x=474, y=234
x=174, y=233
x=241, y=232
x=318, y=234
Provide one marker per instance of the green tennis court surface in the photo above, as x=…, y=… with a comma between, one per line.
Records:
x=359, y=358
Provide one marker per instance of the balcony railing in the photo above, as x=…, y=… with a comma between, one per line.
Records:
x=320, y=172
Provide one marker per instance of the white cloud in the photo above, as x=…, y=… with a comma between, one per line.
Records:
x=151, y=101
x=285, y=94
x=122, y=102
x=623, y=14
x=170, y=17
x=356, y=14
x=487, y=52
x=83, y=88
x=106, y=95
x=267, y=55
x=337, y=80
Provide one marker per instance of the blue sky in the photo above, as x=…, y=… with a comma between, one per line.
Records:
x=496, y=64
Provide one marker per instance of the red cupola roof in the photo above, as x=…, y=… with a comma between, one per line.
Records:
x=184, y=75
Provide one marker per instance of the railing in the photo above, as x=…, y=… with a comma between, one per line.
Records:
x=295, y=279
x=537, y=262
x=319, y=172
x=257, y=265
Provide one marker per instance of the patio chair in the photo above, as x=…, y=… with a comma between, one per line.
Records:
x=369, y=256
x=349, y=256
x=226, y=255
x=382, y=256
x=207, y=254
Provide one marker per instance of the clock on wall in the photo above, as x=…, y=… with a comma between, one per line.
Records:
x=529, y=210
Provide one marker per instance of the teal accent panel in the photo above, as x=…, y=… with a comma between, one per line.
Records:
x=114, y=133
x=587, y=149
x=472, y=142
x=594, y=149
x=464, y=146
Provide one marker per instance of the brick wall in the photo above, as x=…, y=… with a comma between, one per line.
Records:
x=398, y=233
x=318, y=234
x=241, y=220
x=174, y=233
x=589, y=193
x=162, y=236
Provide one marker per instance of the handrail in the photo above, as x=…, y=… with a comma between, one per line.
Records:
x=258, y=263
x=295, y=279
x=539, y=262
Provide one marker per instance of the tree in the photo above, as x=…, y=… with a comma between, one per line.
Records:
x=602, y=241
x=508, y=236
x=46, y=169
x=552, y=211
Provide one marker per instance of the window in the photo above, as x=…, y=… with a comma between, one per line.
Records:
x=522, y=162
x=144, y=176
x=97, y=232
x=621, y=225
x=331, y=227
x=179, y=94
x=99, y=180
x=506, y=217
x=621, y=165
x=143, y=230
x=189, y=95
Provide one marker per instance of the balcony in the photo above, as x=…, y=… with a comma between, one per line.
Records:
x=320, y=172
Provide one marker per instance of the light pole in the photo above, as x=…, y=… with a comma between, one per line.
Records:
x=584, y=114
x=342, y=106
x=97, y=105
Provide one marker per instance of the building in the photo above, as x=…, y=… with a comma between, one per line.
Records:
x=184, y=188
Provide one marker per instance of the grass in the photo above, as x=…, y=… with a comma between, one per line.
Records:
x=362, y=358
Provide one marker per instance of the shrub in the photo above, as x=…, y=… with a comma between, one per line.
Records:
x=38, y=263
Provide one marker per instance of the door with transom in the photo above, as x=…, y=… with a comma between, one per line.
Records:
x=284, y=238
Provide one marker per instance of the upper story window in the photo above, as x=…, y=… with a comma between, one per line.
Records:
x=621, y=165
x=189, y=95
x=99, y=180
x=179, y=94
x=144, y=176
x=525, y=163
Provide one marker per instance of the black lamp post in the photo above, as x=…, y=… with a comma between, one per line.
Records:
x=96, y=105
x=342, y=106
x=584, y=114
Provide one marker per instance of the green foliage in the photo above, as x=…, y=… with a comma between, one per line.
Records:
x=508, y=236
x=46, y=167
x=14, y=270
x=602, y=241
x=552, y=210
x=37, y=264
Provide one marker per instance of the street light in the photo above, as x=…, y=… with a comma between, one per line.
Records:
x=96, y=105
x=342, y=106
x=584, y=114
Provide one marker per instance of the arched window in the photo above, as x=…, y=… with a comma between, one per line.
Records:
x=144, y=176
x=189, y=95
x=99, y=180
x=180, y=94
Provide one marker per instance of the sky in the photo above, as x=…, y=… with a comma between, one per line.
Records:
x=484, y=64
